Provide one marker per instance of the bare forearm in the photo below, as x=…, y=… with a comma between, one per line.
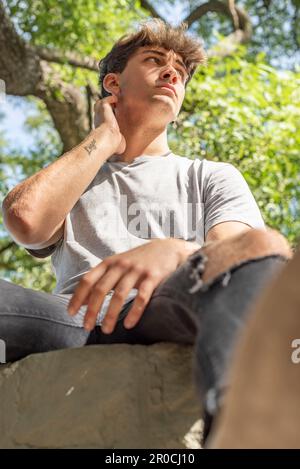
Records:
x=44, y=199
x=183, y=248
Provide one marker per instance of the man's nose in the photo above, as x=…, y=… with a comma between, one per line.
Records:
x=170, y=72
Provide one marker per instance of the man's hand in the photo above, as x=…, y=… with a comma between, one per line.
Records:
x=143, y=267
x=104, y=115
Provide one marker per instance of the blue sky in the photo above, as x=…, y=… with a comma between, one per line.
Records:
x=15, y=111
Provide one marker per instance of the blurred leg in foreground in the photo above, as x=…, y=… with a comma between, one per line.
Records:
x=262, y=406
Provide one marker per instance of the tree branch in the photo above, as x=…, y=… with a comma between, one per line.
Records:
x=19, y=66
x=295, y=23
x=67, y=106
x=212, y=5
x=52, y=55
x=145, y=4
x=217, y=6
x=244, y=31
x=234, y=15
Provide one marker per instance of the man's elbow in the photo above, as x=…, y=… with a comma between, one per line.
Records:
x=18, y=226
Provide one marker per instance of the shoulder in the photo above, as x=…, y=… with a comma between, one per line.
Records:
x=214, y=172
x=179, y=160
x=208, y=166
x=218, y=167
x=209, y=172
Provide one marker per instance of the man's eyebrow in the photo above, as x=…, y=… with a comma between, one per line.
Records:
x=163, y=55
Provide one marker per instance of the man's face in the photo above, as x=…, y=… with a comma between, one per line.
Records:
x=139, y=86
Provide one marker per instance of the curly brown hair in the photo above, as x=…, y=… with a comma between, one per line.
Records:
x=158, y=33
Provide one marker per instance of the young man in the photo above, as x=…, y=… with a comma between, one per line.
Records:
x=125, y=221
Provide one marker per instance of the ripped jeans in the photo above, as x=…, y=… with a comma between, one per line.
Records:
x=182, y=310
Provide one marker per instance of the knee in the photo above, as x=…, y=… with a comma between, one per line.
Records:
x=264, y=243
x=250, y=244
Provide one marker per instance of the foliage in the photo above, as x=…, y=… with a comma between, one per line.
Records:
x=88, y=27
x=248, y=114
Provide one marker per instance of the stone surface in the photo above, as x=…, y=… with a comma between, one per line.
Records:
x=101, y=396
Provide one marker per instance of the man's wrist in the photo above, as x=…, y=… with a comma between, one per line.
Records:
x=183, y=248
x=106, y=136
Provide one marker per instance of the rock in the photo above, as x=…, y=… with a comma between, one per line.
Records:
x=101, y=396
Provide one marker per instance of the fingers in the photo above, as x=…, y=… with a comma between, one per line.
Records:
x=83, y=289
x=117, y=301
x=101, y=105
x=120, y=276
x=102, y=113
x=100, y=290
x=107, y=100
x=141, y=300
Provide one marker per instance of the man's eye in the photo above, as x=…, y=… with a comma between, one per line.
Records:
x=155, y=58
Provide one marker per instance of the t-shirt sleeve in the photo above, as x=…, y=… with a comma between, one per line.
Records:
x=227, y=197
x=44, y=252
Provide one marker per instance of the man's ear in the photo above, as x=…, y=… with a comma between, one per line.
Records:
x=111, y=83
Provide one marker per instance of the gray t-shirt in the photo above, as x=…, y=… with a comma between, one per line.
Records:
x=128, y=204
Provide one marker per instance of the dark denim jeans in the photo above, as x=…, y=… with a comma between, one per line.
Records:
x=181, y=310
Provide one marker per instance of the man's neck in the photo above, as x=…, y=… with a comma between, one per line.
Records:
x=141, y=141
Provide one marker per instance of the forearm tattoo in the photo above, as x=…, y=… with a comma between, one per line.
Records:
x=91, y=146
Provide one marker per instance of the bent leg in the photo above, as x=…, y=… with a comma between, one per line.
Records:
x=33, y=321
x=211, y=299
x=220, y=284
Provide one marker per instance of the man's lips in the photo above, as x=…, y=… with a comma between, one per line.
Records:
x=171, y=89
